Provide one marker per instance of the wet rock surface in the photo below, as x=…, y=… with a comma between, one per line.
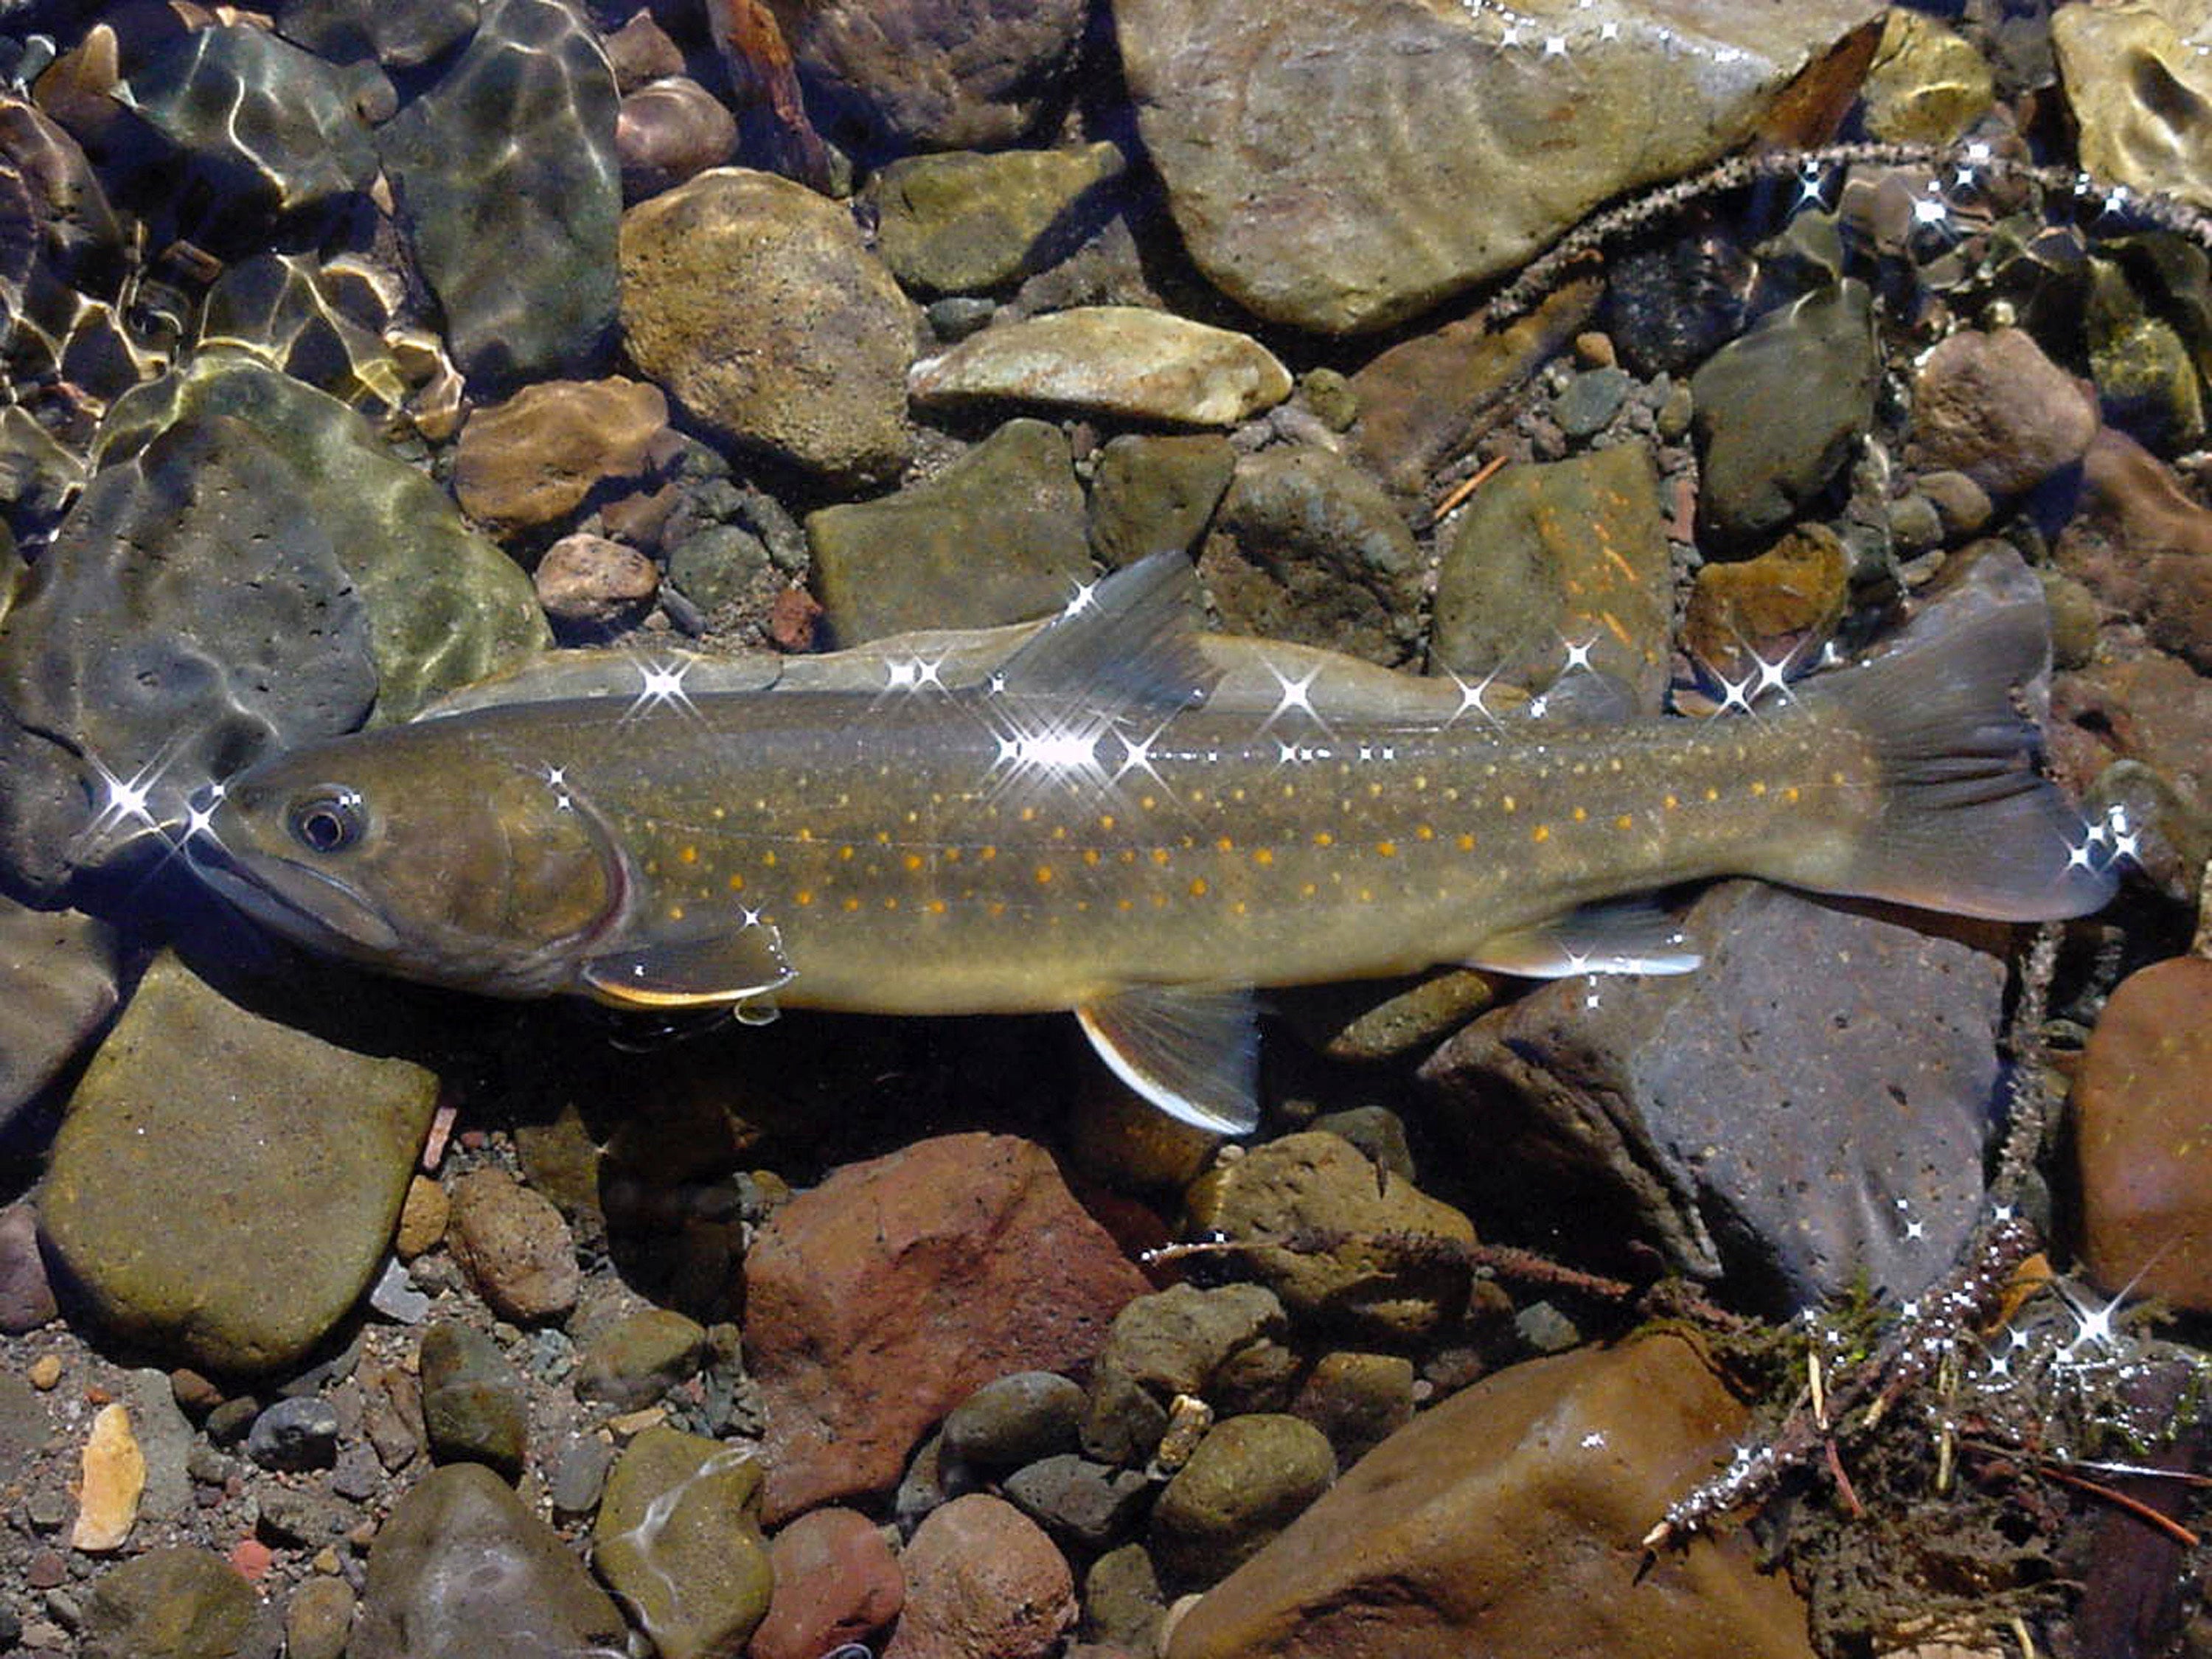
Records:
x=758, y=308
x=678, y=1539
x=1455, y=1532
x=877, y=1266
x=510, y=158
x=1849, y=1155
x=156, y=1200
x=981, y=1578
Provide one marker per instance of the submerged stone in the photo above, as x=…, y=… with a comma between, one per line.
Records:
x=678, y=1539
x=156, y=1200
x=966, y=223
x=510, y=193
x=58, y=984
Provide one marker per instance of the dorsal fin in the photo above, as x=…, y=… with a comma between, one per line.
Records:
x=1131, y=638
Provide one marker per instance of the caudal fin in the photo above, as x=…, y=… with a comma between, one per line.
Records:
x=1967, y=824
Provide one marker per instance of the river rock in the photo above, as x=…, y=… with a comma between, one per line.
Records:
x=2145, y=373
x=1015, y=1419
x=1149, y=493
x=880, y=1300
x=113, y=1476
x=1250, y=1477
x=2142, y=1114
x=446, y=608
x=1992, y=406
x=2143, y=545
x=27, y=1299
x=756, y=304
x=1319, y=1184
x=1126, y=361
x=1927, y=83
x=323, y=325
x=998, y=536
x=669, y=131
x=317, y=1619
x=967, y=223
x=2137, y=78
x=931, y=74
x=1509, y=1522
x=295, y=1434
x=1358, y=1400
x=461, y=1570
x=1225, y=1344
x=532, y=459
x=157, y=1199
x=191, y=613
x=59, y=970
x=398, y=34
x=1781, y=606
x=1781, y=408
x=836, y=1581
x=592, y=586
x=264, y=127
x=982, y=1578
x=510, y=193
x=515, y=1247
x=1341, y=169
x=639, y=1358
x=1572, y=553
x=1802, y=1142
x=1305, y=547
x=678, y=1539
x=1085, y=1505
x=178, y=1602
x=165, y=1441
x=476, y=1407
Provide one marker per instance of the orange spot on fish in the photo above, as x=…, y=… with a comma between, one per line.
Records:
x=1263, y=856
x=1198, y=888
x=1044, y=875
x=1465, y=843
x=1541, y=833
x=690, y=855
x=1388, y=849
x=1322, y=838
x=737, y=884
x=804, y=896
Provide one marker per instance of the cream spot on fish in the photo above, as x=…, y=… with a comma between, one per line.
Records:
x=1127, y=855
x=1090, y=855
x=1712, y=793
x=1420, y=781
x=805, y=833
x=1238, y=907
x=1290, y=791
x=1837, y=778
x=882, y=837
x=1509, y=804
x=676, y=913
x=1307, y=890
x=1367, y=895
x=1374, y=789
x=1106, y=822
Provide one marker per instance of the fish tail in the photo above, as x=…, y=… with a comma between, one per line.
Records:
x=1964, y=820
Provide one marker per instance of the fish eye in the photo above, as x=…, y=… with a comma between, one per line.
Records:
x=327, y=820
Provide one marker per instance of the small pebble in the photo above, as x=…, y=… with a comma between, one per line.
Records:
x=45, y=1371
x=293, y=1435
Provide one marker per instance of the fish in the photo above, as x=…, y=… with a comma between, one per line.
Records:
x=1117, y=815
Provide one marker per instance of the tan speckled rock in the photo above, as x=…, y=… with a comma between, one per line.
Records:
x=982, y=1579
x=114, y=1476
x=1992, y=406
x=514, y=1246
x=756, y=304
x=532, y=459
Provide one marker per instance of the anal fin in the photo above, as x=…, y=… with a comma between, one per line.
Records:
x=696, y=971
x=1192, y=1051
x=1631, y=936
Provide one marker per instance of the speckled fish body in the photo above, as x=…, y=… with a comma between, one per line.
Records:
x=1099, y=826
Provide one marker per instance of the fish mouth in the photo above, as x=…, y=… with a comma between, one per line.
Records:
x=293, y=899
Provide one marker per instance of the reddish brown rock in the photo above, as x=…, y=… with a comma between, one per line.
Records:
x=880, y=1300
x=2143, y=546
x=532, y=459
x=983, y=1581
x=1508, y=1522
x=836, y=1581
x=2142, y=1106
x=514, y=1246
x=1994, y=407
x=2151, y=708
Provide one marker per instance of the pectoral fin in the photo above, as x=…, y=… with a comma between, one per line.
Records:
x=1633, y=937
x=1192, y=1051
x=694, y=971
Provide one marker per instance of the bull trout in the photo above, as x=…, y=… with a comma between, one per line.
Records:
x=1125, y=819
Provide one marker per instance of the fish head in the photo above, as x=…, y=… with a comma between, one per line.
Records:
x=422, y=856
